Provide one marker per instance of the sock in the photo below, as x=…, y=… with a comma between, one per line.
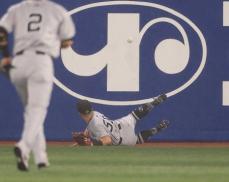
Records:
x=142, y=111
x=144, y=135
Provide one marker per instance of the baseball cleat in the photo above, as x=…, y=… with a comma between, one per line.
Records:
x=162, y=125
x=159, y=99
x=22, y=163
x=42, y=165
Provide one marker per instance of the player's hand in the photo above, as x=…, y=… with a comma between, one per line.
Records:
x=80, y=139
x=5, y=61
x=66, y=43
x=3, y=43
x=3, y=39
x=5, y=66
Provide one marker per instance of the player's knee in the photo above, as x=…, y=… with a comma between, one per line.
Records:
x=37, y=106
x=141, y=111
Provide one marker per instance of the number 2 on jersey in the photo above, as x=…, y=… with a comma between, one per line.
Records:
x=35, y=20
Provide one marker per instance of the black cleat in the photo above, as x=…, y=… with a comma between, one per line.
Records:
x=22, y=164
x=159, y=99
x=162, y=125
x=42, y=165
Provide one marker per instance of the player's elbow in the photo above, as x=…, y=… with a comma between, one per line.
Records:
x=106, y=140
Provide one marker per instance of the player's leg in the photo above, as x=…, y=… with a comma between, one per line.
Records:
x=39, y=150
x=144, y=135
x=127, y=130
x=144, y=109
x=18, y=78
x=40, y=89
x=39, y=92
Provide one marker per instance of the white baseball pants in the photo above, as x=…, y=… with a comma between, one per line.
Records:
x=33, y=79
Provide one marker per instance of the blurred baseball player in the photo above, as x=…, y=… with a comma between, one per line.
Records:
x=40, y=28
x=103, y=131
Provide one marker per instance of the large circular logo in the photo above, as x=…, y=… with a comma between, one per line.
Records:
x=161, y=48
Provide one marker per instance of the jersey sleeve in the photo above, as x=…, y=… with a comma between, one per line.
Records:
x=67, y=28
x=7, y=21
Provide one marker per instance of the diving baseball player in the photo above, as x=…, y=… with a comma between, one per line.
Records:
x=40, y=28
x=103, y=131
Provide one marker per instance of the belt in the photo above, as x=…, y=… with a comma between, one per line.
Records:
x=37, y=52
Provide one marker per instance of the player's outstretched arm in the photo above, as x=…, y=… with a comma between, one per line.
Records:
x=105, y=140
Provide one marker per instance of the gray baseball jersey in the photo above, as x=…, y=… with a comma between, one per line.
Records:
x=121, y=131
x=47, y=23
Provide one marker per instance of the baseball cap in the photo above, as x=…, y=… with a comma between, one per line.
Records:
x=84, y=106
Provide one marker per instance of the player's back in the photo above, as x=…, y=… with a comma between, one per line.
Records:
x=36, y=25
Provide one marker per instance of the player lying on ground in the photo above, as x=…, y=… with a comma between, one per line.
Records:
x=103, y=131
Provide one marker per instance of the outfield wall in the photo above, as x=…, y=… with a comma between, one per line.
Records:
x=127, y=52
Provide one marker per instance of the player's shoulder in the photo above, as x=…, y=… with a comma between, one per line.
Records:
x=97, y=112
x=56, y=6
x=99, y=115
x=16, y=6
x=53, y=6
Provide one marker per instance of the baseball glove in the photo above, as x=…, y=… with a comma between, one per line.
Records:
x=81, y=139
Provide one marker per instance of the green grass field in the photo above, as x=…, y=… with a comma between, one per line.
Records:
x=122, y=164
